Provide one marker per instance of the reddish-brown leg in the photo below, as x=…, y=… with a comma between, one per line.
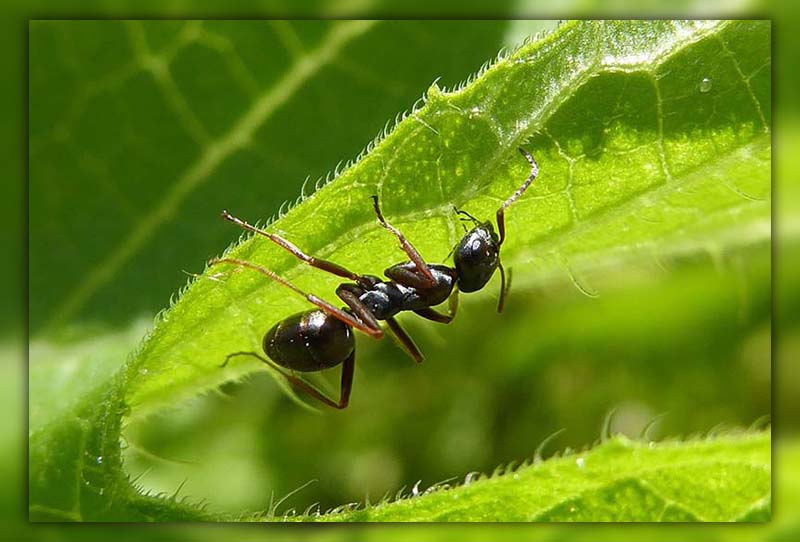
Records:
x=436, y=316
x=301, y=385
x=361, y=311
x=505, y=284
x=407, y=247
x=405, y=340
x=325, y=265
x=371, y=328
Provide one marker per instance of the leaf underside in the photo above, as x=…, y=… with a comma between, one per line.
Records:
x=635, y=161
x=653, y=140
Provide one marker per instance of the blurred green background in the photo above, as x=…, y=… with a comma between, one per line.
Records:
x=689, y=345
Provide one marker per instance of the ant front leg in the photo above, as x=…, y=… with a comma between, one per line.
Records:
x=348, y=367
x=505, y=284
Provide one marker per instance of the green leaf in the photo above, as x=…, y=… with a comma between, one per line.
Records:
x=723, y=479
x=635, y=161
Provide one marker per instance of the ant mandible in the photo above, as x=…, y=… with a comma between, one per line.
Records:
x=322, y=338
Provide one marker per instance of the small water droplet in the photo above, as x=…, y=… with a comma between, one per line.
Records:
x=143, y=371
x=581, y=462
x=705, y=84
x=99, y=459
x=474, y=112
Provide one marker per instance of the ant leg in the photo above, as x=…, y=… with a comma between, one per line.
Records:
x=501, y=226
x=406, y=341
x=431, y=314
x=407, y=247
x=361, y=311
x=346, y=294
x=436, y=316
x=236, y=354
x=452, y=303
x=504, y=287
x=374, y=331
x=407, y=275
x=302, y=385
x=325, y=265
x=344, y=389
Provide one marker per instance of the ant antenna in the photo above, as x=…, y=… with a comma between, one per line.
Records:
x=501, y=226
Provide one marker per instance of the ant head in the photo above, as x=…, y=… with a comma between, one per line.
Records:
x=476, y=257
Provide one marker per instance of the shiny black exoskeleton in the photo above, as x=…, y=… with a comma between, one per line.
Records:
x=309, y=341
x=476, y=257
x=322, y=338
x=384, y=299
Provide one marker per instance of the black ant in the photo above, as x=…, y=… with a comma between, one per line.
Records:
x=322, y=338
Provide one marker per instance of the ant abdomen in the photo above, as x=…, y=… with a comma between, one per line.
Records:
x=309, y=341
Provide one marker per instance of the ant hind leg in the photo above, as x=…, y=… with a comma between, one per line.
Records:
x=324, y=265
x=299, y=384
x=252, y=354
x=367, y=327
x=345, y=386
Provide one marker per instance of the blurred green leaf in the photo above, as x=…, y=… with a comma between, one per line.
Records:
x=637, y=161
x=140, y=131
